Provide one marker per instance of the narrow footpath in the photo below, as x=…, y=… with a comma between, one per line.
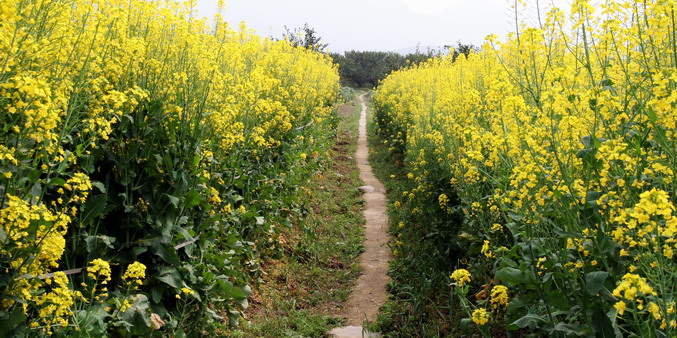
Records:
x=370, y=290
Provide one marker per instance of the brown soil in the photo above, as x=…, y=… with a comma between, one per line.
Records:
x=370, y=290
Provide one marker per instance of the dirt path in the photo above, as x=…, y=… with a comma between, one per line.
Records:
x=370, y=291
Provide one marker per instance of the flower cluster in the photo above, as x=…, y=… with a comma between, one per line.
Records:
x=461, y=276
x=56, y=305
x=480, y=316
x=135, y=273
x=499, y=296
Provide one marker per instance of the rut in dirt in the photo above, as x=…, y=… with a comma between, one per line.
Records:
x=369, y=292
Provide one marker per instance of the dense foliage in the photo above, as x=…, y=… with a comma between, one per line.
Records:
x=158, y=152
x=364, y=69
x=542, y=174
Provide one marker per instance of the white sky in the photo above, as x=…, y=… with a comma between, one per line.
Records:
x=387, y=25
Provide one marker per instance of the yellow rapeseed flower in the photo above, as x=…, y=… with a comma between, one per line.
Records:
x=461, y=276
x=499, y=296
x=480, y=316
x=99, y=270
x=620, y=307
x=135, y=273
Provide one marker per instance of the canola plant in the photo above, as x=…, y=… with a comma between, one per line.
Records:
x=148, y=160
x=542, y=168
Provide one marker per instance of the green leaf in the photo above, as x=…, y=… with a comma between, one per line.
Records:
x=62, y=166
x=587, y=141
x=530, y=319
x=13, y=323
x=612, y=313
x=94, y=207
x=87, y=163
x=592, y=196
x=156, y=295
x=586, y=154
x=515, y=276
x=174, y=200
x=241, y=295
x=93, y=241
x=138, y=315
x=570, y=329
x=93, y=320
x=36, y=190
x=558, y=299
x=137, y=250
x=99, y=186
x=567, y=234
x=213, y=315
x=517, y=303
x=606, y=294
x=186, y=235
x=547, y=276
x=247, y=290
x=56, y=181
x=166, y=252
x=193, y=198
x=602, y=324
x=594, y=281
x=651, y=114
x=171, y=277
x=466, y=323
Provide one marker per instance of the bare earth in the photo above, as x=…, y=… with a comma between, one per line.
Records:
x=370, y=291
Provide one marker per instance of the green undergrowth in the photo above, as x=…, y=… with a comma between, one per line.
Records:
x=302, y=291
x=419, y=305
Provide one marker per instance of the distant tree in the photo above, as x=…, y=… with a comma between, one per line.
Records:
x=418, y=56
x=305, y=37
x=367, y=68
x=465, y=49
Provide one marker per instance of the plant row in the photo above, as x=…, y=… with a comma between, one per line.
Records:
x=148, y=160
x=541, y=174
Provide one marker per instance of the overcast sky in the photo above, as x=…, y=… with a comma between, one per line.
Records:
x=387, y=25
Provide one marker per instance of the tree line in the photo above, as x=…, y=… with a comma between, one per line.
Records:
x=364, y=69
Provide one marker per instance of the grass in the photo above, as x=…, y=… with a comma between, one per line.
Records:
x=303, y=290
